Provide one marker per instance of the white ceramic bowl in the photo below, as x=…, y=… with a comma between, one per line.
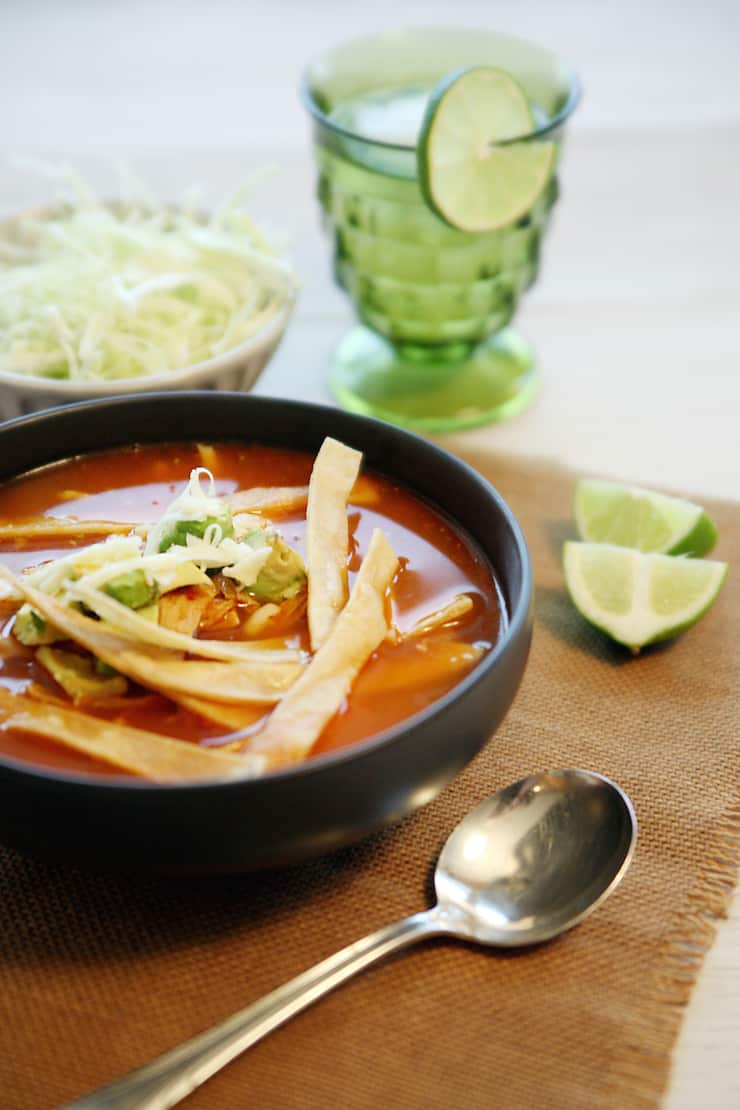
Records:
x=236, y=369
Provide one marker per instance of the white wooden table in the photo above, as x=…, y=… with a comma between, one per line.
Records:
x=636, y=317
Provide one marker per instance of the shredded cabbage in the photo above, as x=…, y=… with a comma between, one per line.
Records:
x=192, y=504
x=116, y=550
x=90, y=568
x=96, y=291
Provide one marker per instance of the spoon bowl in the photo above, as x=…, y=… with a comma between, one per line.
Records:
x=536, y=858
x=523, y=866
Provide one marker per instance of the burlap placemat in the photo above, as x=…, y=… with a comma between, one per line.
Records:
x=100, y=973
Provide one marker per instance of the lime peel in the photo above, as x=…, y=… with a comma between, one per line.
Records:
x=608, y=512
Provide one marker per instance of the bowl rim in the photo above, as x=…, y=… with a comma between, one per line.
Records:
x=516, y=622
x=270, y=331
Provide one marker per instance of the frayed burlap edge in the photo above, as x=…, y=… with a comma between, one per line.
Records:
x=641, y=1074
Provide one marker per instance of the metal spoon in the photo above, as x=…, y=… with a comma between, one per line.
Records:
x=522, y=867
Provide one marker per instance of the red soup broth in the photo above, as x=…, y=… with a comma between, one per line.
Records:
x=136, y=484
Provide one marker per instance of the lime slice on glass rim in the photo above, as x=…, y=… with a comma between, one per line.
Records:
x=639, y=598
x=607, y=512
x=466, y=178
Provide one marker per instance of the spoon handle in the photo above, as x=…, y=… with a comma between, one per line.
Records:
x=170, y=1077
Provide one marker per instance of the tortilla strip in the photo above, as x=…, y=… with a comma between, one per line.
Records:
x=297, y=722
x=447, y=614
x=432, y=661
x=148, y=754
x=208, y=456
x=365, y=492
x=235, y=718
x=63, y=528
x=127, y=623
x=40, y=693
x=253, y=683
x=259, y=499
x=156, y=668
x=334, y=473
x=77, y=676
x=266, y=499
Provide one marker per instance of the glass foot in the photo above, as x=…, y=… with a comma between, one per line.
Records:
x=433, y=390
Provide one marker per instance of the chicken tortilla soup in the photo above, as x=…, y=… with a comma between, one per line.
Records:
x=190, y=612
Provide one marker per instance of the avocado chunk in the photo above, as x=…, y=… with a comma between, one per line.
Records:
x=132, y=589
x=104, y=669
x=179, y=531
x=283, y=575
x=78, y=677
x=31, y=629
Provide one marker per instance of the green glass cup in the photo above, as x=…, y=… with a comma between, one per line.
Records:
x=434, y=351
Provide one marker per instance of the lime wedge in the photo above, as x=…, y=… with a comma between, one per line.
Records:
x=638, y=598
x=467, y=179
x=609, y=513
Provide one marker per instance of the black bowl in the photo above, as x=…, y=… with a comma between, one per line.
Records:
x=329, y=801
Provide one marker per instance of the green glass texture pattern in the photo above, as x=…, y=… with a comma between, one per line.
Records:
x=413, y=278
x=433, y=293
